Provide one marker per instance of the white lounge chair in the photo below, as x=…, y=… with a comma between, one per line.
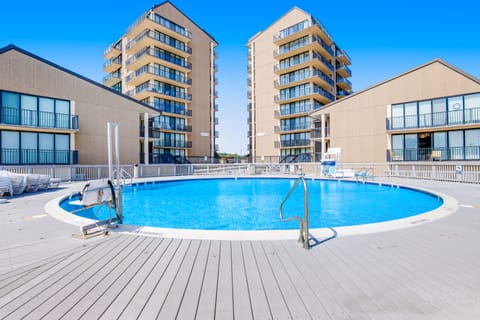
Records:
x=44, y=182
x=6, y=188
x=18, y=181
x=32, y=182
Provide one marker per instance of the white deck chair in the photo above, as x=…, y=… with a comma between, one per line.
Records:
x=5, y=187
x=44, y=182
x=32, y=182
x=18, y=181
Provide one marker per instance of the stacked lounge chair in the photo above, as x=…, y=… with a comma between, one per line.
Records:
x=6, y=188
x=18, y=181
x=15, y=183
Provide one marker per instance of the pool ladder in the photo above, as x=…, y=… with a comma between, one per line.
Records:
x=304, y=234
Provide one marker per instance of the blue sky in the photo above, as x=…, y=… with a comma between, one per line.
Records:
x=383, y=38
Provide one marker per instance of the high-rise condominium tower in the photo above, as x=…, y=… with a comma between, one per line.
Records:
x=168, y=62
x=294, y=67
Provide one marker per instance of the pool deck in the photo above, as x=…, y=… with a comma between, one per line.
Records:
x=428, y=271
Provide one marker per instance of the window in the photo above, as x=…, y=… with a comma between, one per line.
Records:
x=46, y=108
x=472, y=144
x=455, y=110
x=29, y=147
x=397, y=116
x=439, y=112
x=440, y=144
x=425, y=114
x=411, y=115
x=472, y=108
x=45, y=148
x=28, y=106
x=62, y=109
x=10, y=147
x=10, y=108
x=411, y=147
x=455, y=143
x=397, y=147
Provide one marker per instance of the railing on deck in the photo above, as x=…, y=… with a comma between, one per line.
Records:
x=461, y=171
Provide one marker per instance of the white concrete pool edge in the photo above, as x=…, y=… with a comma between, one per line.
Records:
x=449, y=206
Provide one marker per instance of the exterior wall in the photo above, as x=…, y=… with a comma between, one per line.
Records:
x=94, y=106
x=358, y=123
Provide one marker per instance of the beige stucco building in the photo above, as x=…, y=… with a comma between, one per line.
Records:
x=431, y=112
x=50, y=115
x=168, y=62
x=294, y=67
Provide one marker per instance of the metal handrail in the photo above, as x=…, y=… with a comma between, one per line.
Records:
x=124, y=175
x=304, y=233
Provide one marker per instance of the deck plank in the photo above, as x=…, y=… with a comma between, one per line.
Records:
x=138, y=301
x=276, y=300
x=121, y=301
x=102, y=280
x=208, y=294
x=59, y=301
x=31, y=295
x=189, y=304
x=242, y=305
x=174, y=296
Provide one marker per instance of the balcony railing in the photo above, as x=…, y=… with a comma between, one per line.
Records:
x=344, y=80
x=173, y=127
x=170, y=109
x=173, y=144
x=37, y=156
x=316, y=89
x=435, y=119
x=38, y=119
x=158, y=72
x=161, y=21
x=115, y=75
x=160, y=90
x=117, y=60
x=434, y=154
x=317, y=133
x=297, y=109
x=295, y=143
x=299, y=27
x=152, y=35
x=292, y=127
x=159, y=55
x=343, y=93
x=343, y=53
x=341, y=66
x=309, y=40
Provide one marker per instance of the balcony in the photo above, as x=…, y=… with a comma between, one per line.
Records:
x=432, y=154
x=173, y=144
x=300, y=30
x=314, y=59
x=149, y=72
x=149, y=37
x=154, y=21
x=37, y=156
x=113, y=51
x=299, y=127
x=316, y=92
x=217, y=121
x=38, y=119
x=313, y=43
x=112, y=79
x=296, y=111
x=112, y=64
x=343, y=70
x=148, y=55
x=469, y=116
x=295, y=143
x=343, y=57
x=317, y=133
x=344, y=84
x=170, y=110
x=343, y=93
x=169, y=127
x=216, y=108
x=145, y=91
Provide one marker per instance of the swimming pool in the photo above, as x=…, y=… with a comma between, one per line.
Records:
x=253, y=204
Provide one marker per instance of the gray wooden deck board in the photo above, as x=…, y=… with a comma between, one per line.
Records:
x=430, y=271
x=132, y=286
x=138, y=301
x=189, y=304
x=208, y=295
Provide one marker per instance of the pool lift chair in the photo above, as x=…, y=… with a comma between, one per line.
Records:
x=97, y=194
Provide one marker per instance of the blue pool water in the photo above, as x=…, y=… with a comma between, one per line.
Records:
x=253, y=204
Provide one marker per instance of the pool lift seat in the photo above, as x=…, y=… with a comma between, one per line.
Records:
x=95, y=195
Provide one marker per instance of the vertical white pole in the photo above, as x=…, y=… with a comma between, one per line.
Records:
x=109, y=151
x=145, y=141
x=322, y=136
x=117, y=154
